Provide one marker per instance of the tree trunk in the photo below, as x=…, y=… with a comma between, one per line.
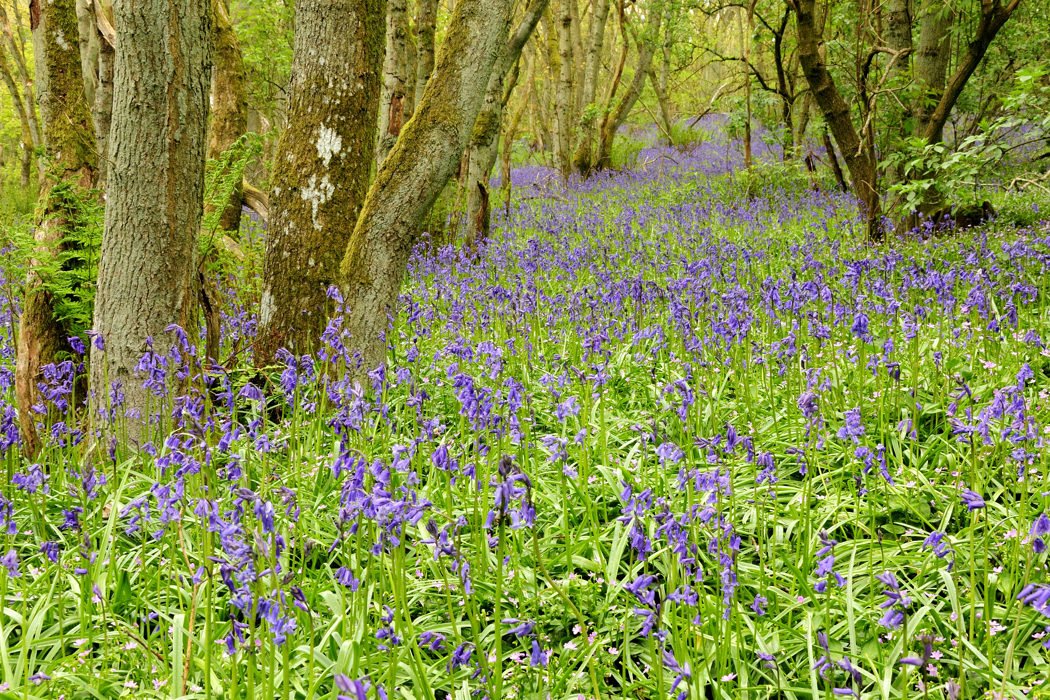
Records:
x=426, y=26
x=931, y=61
x=993, y=16
x=70, y=171
x=563, y=95
x=484, y=140
x=592, y=65
x=102, y=108
x=87, y=36
x=27, y=145
x=615, y=118
x=229, y=107
x=321, y=167
x=415, y=172
x=395, y=78
x=862, y=167
x=147, y=269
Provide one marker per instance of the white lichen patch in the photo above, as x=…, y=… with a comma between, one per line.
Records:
x=329, y=145
x=60, y=39
x=317, y=193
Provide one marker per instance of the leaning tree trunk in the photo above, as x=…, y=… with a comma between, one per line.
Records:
x=229, y=107
x=395, y=78
x=156, y=182
x=618, y=114
x=27, y=145
x=321, y=167
x=931, y=61
x=69, y=152
x=484, y=140
x=862, y=167
x=415, y=172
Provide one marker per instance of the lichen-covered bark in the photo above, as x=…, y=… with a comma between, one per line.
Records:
x=393, y=107
x=229, y=105
x=70, y=156
x=154, y=201
x=417, y=168
x=321, y=167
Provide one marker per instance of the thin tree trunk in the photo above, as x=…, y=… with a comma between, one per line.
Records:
x=102, y=108
x=484, y=141
x=615, y=118
x=415, y=172
x=70, y=156
x=563, y=94
x=836, y=113
x=27, y=145
x=426, y=27
x=147, y=277
x=395, y=77
x=321, y=168
x=993, y=16
x=229, y=107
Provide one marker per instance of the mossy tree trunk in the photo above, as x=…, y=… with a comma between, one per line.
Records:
x=590, y=110
x=321, y=168
x=147, y=268
x=229, y=106
x=416, y=170
x=70, y=157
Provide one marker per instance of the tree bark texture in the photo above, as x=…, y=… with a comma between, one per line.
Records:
x=147, y=268
x=415, y=172
x=931, y=60
x=426, y=28
x=70, y=158
x=392, y=101
x=102, y=107
x=564, y=101
x=229, y=106
x=321, y=168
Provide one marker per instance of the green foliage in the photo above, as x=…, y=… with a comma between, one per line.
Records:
x=625, y=151
x=223, y=176
x=999, y=151
x=70, y=273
